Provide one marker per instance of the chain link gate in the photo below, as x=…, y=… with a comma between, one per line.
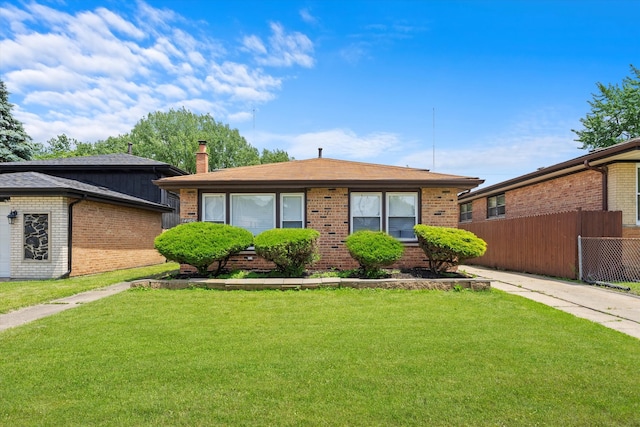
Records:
x=608, y=259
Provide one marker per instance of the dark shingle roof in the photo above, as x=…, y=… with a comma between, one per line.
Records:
x=106, y=161
x=36, y=183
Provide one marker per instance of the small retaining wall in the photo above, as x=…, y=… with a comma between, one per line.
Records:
x=326, y=282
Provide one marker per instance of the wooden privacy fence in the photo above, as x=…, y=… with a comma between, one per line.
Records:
x=543, y=244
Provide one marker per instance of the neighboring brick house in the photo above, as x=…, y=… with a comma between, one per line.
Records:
x=124, y=173
x=607, y=179
x=54, y=227
x=532, y=223
x=334, y=197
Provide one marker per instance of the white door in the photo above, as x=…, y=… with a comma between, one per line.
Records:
x=5, y=257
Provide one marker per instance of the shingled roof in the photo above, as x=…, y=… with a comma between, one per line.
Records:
x=102, y=161
x=318, y=172
x=36, y=183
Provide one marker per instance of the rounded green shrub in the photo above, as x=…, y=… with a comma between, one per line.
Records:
x=447, y=247
x=200, y=244
x=290, y=249
x=373, y=250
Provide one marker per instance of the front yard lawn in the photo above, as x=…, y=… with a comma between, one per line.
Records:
x=18, y=294
x=317, y=358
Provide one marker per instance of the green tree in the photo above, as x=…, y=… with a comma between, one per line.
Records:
x=173, y=136
x=57, y=147
x=15, y=144
x=275, y=156
x=615, y=114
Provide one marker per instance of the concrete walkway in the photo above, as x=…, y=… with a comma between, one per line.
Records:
x=612, y=309
x=29, y=314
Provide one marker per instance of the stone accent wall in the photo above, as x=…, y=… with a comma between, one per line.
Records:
x=110, y=237
x=55, y=263
x=567, y=193
x=36, y=236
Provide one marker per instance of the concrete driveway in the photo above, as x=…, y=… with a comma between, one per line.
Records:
x=615, y=310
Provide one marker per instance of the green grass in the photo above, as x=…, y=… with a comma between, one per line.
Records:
x=635, y=287
x=18, y=294
x=317, y=358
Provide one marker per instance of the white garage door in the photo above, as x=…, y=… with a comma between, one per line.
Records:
x=4, y=240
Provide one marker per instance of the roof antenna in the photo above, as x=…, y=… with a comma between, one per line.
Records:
x=319, y=152
x=129, y=145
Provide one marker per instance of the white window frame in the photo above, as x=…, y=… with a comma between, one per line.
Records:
x=388, y=210
x=352, y=210
x=302, y=210
x=224, y=207
x=273, y=215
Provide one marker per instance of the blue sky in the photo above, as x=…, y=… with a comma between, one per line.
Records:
x=506, y=81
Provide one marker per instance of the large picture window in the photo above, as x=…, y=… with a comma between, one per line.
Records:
x=398, y=218
x=254, y=212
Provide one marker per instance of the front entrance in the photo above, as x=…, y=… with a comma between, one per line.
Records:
x=5, y=241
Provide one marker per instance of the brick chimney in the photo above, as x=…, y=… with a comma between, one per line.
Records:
x=202, y=158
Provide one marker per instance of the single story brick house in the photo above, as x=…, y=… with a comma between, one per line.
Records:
x=334, y=197
x=53, y=227
x=606, y=179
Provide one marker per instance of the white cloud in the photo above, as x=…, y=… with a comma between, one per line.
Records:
x=307, y=17
x=336, y=143
x=97, y=72
x=283, y=50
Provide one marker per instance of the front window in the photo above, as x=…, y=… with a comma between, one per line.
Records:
x=292, y=206
x=213, y=208
x=366, y=211
x=496, y=206
x=253, y=212
x=466, y=211
x=399, y=216
x=402, y=216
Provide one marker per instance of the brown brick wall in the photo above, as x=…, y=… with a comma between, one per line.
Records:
x=110, y=237
x=188, y=205
x=327, y=211
x=568, y=193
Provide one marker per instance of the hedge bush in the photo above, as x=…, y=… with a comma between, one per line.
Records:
x=290, y=249
x=447, y=247
x=373, y=250
x=200, y=244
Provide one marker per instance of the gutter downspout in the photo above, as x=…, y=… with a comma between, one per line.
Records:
x=70, y=236
x=605, y=183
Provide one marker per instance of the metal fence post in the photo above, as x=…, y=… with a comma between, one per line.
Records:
x=579, y=257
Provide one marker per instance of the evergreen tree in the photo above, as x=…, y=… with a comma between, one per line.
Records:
x=15, y=144
x=615, y=114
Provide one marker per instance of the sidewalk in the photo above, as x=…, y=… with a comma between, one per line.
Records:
x=29, y=314
x=612, y=309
